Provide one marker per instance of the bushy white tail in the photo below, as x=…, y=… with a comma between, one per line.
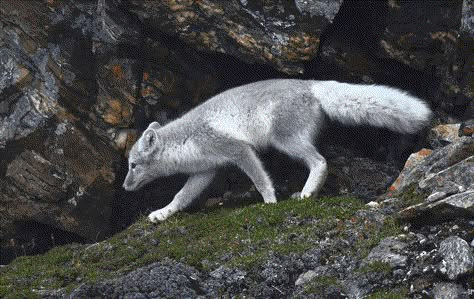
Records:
x=376, y=105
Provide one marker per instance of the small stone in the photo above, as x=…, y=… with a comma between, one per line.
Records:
x=306, y=277
x=373, y=204
x=444, y=134
x=60, y=128
x=449, y=290
x=230, y=275
x=72, y=201
x=436, y=196
x=458, y=259
x=467, y=128
x=388, y=251
x=398, y=273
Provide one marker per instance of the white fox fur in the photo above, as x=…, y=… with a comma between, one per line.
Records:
x=286, y=114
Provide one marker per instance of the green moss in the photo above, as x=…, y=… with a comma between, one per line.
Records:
x=234, y=236
x=320, y=285
x=411, y=196
x=389, y=294
x=376, y=266
x=391, y=227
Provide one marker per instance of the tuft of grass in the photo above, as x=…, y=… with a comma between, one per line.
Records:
x=376, y=266
x=391, y=227
x=412, y=196
x=240, y=237
x=398, y=293
x=321, y=285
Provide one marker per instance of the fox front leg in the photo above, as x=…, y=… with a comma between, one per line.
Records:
x=194, y=186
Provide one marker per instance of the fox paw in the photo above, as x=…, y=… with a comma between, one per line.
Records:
x=301, y=195
x=270, y=200
x=160, y=215
x=296, y=195
x=269, y=196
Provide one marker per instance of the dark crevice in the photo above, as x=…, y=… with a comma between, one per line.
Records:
x=358, y=29
x=36, y=238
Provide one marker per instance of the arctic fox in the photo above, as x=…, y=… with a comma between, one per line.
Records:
x=286, y=114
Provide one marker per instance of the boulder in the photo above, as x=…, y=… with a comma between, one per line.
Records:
x=448, y=290
x=390, y=251
x=460, y=175
x=177, y=281
x=454, y=206
x=415, y=45
x=306, y=277
x=444, y=163
x=457, y=258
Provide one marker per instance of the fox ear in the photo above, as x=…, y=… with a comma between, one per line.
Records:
x=154, y=125
x=148, y=140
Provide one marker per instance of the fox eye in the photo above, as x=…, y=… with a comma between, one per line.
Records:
x=133, y=165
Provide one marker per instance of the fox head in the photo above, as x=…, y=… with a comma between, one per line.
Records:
x=142, y=159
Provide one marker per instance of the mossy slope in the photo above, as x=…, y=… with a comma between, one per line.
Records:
x=240, y=237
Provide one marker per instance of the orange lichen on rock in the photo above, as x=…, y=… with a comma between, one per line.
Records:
x=302, y=47
x=147, y=91
x=117, y=71
x=413, y=160
x=443, y=36
x=116, y=112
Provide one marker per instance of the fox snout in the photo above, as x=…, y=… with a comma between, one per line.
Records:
x=128, y=183
x=126, y=187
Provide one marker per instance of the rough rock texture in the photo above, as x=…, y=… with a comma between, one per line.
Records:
x=454, y=206
x=78, y=80
x=70, y=186
x=166, y=278
x=460, y=174
x=283, y=34
x=306, y=277
x=448, y=290
x=467, y=128
x=388, y=251
x=444, y=134
x=443, y=178
x=452, y=163
x=457, y=258
x=434, y=36
x=405, y=42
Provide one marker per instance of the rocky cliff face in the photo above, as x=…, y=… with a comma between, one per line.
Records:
x=79, y=80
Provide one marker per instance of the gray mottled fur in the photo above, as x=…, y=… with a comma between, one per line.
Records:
x=283, y=113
